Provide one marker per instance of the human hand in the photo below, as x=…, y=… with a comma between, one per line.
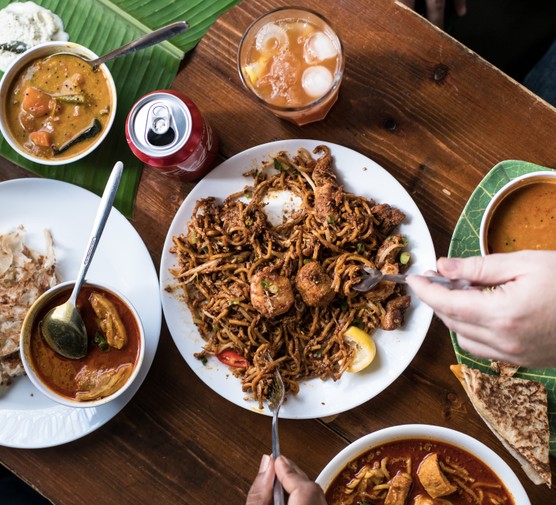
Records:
x=436, y=9
x=301, y=490
x=515, y=322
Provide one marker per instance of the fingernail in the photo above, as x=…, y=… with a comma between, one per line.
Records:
x=265, y=462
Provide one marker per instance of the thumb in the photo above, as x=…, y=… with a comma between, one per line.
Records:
x=483, y=270
x=261, y=489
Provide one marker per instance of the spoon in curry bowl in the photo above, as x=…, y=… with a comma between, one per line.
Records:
x=150, y=39
x=63, y=327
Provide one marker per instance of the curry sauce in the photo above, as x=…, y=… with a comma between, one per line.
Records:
x=525, y=219
x=81, y=379
x=58, y=105
x=417, y=471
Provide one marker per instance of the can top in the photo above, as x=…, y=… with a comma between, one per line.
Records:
x=159, y=124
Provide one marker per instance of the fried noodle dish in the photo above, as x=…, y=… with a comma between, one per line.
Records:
x=280, y=296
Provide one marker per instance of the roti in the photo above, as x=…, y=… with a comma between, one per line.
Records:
x=516, y=410
x=24, y=275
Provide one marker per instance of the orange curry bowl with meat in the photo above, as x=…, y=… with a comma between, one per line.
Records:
x=115, y=349
x=55, y=107
x=419, y=464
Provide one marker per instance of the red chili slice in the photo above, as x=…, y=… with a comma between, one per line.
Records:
x=232, y=358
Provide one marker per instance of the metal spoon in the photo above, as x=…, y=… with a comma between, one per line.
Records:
x=63, y=327
x=150, y=39
x=374, y=276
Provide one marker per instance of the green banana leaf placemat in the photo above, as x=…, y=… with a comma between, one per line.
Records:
x=465, y=242
x=103, y=25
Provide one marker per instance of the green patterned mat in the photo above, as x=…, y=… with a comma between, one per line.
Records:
x=103, y=25
x=465, y=242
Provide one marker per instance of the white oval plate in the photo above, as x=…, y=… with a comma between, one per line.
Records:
x=396, y=349
x=29, y=419
x=407, y=431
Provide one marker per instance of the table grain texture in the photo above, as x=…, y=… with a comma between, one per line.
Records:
x=433, y=114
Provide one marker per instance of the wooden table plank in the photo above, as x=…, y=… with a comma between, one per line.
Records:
x=434, y=115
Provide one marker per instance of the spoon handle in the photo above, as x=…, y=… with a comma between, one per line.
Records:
x=100, y=220
x=152, y=38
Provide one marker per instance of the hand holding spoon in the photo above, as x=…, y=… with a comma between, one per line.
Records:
x=63, y=327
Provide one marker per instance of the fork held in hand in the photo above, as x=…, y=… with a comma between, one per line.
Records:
x=375, y=276
x=275, y=400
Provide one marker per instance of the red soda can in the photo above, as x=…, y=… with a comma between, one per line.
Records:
x=166, y=130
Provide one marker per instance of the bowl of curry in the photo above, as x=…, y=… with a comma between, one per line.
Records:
x=55, y=108
x=418, y=464
x=116, y=345
x=521, y=215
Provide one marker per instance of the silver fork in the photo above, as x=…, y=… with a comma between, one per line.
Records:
x=375, y=276
x=275, y=400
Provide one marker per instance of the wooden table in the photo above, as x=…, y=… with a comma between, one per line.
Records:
x=433, y=114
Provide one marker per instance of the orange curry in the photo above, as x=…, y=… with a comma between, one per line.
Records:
x=417, y=472
x=525, y=219
x=110, y=360
x=58, y=105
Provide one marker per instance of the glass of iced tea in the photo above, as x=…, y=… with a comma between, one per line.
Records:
x=292, y=61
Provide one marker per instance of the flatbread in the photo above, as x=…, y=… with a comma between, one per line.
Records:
x=516, y=410
x=24, y=275
x=10, y=367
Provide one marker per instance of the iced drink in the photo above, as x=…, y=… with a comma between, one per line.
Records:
x=292, y=61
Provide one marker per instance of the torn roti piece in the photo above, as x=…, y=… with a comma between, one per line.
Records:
x=24, y=276
x=502, y=368
x=516, y=410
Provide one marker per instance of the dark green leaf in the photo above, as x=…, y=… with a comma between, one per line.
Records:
x=465, y=243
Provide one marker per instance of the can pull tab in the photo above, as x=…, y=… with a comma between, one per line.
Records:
x=159, y=120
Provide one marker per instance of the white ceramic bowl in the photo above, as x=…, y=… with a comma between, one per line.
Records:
x=35, y=378
x=424, y=431
x=502, y=194
x=41, y=51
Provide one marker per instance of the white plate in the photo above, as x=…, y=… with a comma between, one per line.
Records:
x=27, y=418
x=396, y=349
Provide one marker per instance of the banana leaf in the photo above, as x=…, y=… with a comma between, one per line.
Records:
x=103, y=25
x=465, y=242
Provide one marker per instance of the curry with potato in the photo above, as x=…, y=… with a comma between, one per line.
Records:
x=57, y=106
x=113, y=349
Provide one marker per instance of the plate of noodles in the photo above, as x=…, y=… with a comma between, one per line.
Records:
x=257, y=273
